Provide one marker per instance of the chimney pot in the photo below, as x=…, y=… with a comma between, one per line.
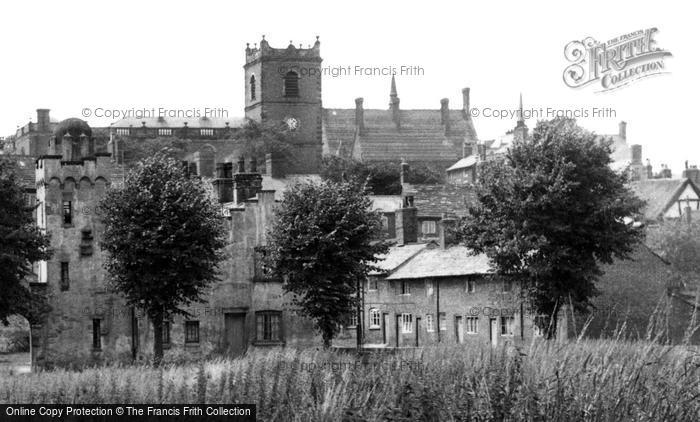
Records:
x=623, y=130
x=465, y=102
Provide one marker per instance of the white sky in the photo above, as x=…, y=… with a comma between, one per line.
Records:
x=70, y=55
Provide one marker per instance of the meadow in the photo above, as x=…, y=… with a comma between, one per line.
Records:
x=602, y=380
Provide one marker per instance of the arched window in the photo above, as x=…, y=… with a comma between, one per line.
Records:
x=252, y=87
x=291, y=84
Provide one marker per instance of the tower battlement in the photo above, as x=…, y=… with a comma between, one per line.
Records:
x=291, y=52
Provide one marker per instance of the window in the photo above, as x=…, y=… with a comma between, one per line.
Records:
x=252, y=87
x=428, y=227
x=352, y=319
x=165, y=132
x=65, y=277
x=166, y=332
x=263, y=272
x=67, y=213
x=191, y=331
x=507, y=326
x=443, y=321
x=429, y=323
x=405, y=288
x=375, y=318
x=406, y=323
x=123, y=131
x=291, y=84
x=96, y=334
x=372, y=283
x=472, y=325
x=428, y=287
x=206, y=132
x=507, y=286
x=268, y=325
x=471, y=286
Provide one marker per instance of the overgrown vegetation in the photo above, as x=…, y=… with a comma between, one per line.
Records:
x=381, y=178
x=545, y=381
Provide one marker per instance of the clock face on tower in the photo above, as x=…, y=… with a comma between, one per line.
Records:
x=292, y=123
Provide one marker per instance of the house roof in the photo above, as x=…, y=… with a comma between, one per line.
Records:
x=396, y=256
x=438, y=262
x=434, y=200
x=194, y=123
x=386, y=203
x=660, y=194
x=421, y=137
x=465, y=162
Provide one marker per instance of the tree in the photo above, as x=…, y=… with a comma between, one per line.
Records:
x=22, y=243
x=679, y=243
x=164, y=239
x=382, y=178
x=549, y=213
x=323, y=244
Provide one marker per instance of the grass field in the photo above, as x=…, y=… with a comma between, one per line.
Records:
x=587, y=380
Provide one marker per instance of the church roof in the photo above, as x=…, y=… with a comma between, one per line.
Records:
x=465, y=162
x=421, y=137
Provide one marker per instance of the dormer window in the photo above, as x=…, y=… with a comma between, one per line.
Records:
x=291, y=84
x=252, y=88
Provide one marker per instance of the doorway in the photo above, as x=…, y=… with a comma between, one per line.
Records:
x=459, y=329
x=235, y=342
x=493, y=331
x=417, y=331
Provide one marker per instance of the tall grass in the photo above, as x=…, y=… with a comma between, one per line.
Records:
x=586, y=380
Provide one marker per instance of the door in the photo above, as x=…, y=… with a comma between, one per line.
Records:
x=234, y=334
x=493, y=330
x=398, y=334
x=385, y=321
x=417, y=330
x=459, y=329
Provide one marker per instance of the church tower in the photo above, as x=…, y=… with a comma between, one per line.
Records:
x=283, y=86
x=521, y=131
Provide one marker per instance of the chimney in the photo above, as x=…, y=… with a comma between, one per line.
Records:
x=445, y=114
x=650, y=170
x=623, y=130
x=692, y=173
x=245, y=185
x=404, y=172
x=223, y=184
x=42, y=119
x=446, y=230
x=465, y=102
x=636, y=154
x=359, y=115
x=407, y=222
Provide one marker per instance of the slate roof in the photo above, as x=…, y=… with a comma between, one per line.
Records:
x=434, y=200
x=660, y=194
x=194, y=123
x=386, y=203
x=396, y=256
x=437, y=262
x=465, y=162
x=421, y=137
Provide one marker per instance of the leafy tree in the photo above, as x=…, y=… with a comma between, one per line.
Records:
x=136, y=149
x=382, y=178
x=22, y=243
x=257, y=139
x=164, y=239
x=323, y=245
x=549, y=213
x=679, y=243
